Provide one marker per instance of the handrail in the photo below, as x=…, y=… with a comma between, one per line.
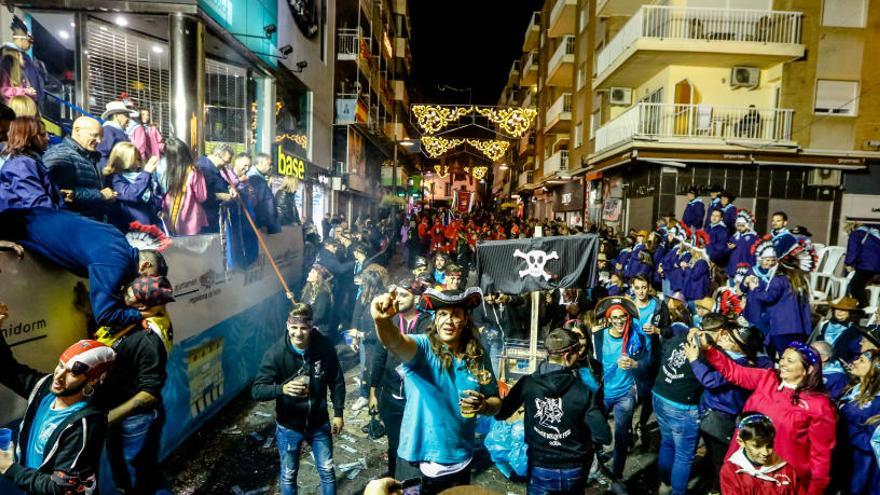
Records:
x=73, y=107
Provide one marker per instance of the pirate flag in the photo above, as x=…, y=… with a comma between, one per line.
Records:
x=543, y=263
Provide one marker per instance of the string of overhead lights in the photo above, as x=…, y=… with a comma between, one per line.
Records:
x=435, y=147
x=514, y=121
x=494, y=149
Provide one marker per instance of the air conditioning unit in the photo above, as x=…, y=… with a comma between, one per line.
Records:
x=621, y=96
x=745, y=77
x=824, y=177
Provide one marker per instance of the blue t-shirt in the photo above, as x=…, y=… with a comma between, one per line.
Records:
x=645, y=316
x=433, y=429
x=587, y=378
x=46, y=421
x=617, y=382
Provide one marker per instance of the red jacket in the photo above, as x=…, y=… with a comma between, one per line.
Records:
x=739, y=477
x=805, y=433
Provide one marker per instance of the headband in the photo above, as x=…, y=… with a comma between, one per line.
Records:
x=752, y=419
x=613, y=307
x=302, y=320
x=806, y=351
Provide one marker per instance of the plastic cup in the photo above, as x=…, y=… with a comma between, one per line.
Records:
x=304, y=380
x=5, y=438
x=465, y=414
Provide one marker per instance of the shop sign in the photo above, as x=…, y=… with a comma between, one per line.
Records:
x=345, y=110
x=569, y=197
x=290, y=165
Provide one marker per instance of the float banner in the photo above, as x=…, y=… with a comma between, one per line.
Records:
x=544, y=263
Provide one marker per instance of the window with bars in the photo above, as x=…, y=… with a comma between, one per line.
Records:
x=120, y=61
x=226, y=109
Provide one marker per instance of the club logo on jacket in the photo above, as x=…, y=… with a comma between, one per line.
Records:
x=549, y=413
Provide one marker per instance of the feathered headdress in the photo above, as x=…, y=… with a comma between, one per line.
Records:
x=147, y=237
x=683, y=232
x=700, y=239
x=745, y=217
x=764, y=248
x=730, y=303
x=800, y=256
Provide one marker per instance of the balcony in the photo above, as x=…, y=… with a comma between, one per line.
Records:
x=347, y=44
x=562, y=18
x=560, y=70
x=401, y=50
x=533, y=32
x=526, y=145
x=524, y=179
x=558, y=118
x=697, y=124
x=513, y=75
x=657, y=37
x=400, y=92
x=529, y=99
x=609, y=8
x=558, y=162
x=530, y=71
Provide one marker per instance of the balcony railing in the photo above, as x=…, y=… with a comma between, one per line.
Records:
x=698, y=23
x=700, y=123
x=567, y=47
x=532, y=61
x=557, y=161
x=347, y=43
x=560, y=107
x=558, y=8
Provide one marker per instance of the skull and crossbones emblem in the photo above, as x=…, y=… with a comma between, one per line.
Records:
x=536, y=260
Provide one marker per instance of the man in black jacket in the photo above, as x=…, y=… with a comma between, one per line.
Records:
x=62, y=432
x=297, y=373
x=562, y=419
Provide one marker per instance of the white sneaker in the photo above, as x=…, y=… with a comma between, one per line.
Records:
x=359, y=404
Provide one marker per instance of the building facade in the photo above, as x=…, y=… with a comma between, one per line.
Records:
x=771, y=100
x=251, y=73
x=371, y=132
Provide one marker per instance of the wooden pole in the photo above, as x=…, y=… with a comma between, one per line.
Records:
x=536, y=307
x=265, y=249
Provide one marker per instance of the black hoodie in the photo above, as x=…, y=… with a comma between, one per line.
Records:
x=320, y=362
x=70, y=464
x=562, y=417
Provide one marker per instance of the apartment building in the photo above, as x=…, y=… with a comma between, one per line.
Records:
x=773, y=100
x=372, y=80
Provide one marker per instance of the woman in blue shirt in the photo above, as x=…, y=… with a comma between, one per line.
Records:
x=24, y=180
x=448, y=380
x=860, y=404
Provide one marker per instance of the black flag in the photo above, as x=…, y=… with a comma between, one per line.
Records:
x=543, y=263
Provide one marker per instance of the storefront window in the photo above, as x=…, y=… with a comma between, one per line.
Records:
x=123, y=63
x=226, y=104
x=54, y=49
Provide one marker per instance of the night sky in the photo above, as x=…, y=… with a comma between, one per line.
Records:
x=466, y=44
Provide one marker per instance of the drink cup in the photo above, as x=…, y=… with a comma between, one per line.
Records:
x=465, y=413
x=5, y=438
x=303, y=380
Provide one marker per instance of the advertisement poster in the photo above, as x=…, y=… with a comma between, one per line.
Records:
x=611, y=209
x=357, y=160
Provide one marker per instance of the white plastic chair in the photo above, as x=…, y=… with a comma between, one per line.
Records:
x=824, y=281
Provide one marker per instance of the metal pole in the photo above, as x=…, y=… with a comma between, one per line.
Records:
x=187, y=79
x=533, y=330
x=81, y=60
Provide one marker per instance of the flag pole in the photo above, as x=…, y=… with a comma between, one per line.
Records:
x=265, y=249
x=533, y=327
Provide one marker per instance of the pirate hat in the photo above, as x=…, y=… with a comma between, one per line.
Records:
x=18, y=27
x=872, y=334
x=607, y=302
x=468, y=299
x=845, y=303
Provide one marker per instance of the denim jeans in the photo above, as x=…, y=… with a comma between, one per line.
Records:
x=289, y=447
x=622, y=408
x=543, y=481
x=133, y=452
x=679, y=435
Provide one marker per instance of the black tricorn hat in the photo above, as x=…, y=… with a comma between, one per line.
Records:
x=606, y=302
x=468, y=299
x=872, y=334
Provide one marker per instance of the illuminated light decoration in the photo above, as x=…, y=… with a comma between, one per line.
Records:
x=301, y=139
x=479, y=172
x=436, y=147
x=434, y=118
x=513, y=121
x=494, y=149
x=442, y=171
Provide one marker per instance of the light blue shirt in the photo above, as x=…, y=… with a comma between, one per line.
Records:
x=833, y=331
x=618, y=382
x=433, y=429
x=46, y=421
x=645, y=316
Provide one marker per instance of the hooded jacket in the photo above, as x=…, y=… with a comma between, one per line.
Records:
x=694, y=213
x=113, y=134
x=863, y=249
x=563, y=418
x=740, y=477
x=72, y=452
x=320, y=362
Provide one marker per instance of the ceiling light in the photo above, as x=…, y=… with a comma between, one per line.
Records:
x=103, y=28
x=63, y=34
x=72, y=24
x=408, y=143
x=121, y=21
x=158, y=49
x=503, y=166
